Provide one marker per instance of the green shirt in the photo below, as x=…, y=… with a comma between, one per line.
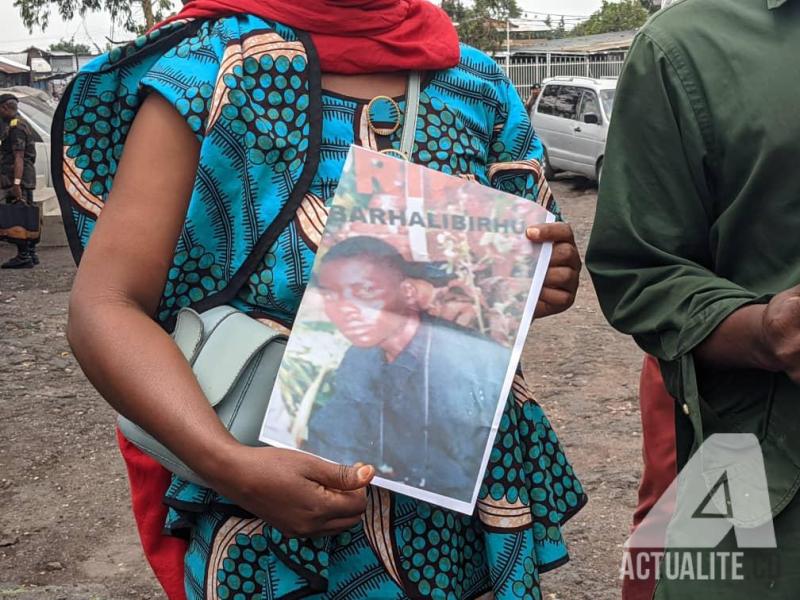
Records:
x=699, y=208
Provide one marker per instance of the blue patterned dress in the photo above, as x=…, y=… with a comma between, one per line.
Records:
x=271, y=140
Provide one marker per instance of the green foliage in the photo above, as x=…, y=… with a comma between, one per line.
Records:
x=651, y=6
x=135, y=15
x=614, y=16
x=482, y=25
x=558, y=31
x=70, y=46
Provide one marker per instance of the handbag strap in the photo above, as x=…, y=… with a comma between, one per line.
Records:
x=412, y=111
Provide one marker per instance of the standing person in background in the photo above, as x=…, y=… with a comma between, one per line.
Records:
x=17, y=182
x=536, y=89
x=695, y=250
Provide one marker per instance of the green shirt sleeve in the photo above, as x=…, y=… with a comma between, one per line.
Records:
x=650, y=250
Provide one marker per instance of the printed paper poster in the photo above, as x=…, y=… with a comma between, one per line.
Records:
x=409, y=333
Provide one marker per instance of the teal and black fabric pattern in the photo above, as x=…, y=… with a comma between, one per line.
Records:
x=247, y=90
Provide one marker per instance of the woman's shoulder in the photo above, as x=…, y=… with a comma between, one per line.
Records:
x=476, y=77
x=479, y=62
x=202, y=40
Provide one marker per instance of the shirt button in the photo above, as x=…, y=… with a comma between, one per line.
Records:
x=686, y=410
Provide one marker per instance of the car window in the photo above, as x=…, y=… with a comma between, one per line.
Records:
x=548, y=100
x=607, y=98
x=589, y=105
x=566, y=105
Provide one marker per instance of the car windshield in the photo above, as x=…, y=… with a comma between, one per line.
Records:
x=607, y=97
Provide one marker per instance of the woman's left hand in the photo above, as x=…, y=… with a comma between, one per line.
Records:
x=563, y=273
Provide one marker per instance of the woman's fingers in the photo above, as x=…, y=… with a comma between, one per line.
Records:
x=550, y=232
x=295, y=492
x=563, y=274
x=558, y=299
x=553, y=301
x=566, y=255
x=341, y=489
x=338, y=477
x=563, y=278
x=565, y=252
x=340, y=505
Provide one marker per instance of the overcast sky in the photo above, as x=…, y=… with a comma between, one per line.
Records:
x=98, y=26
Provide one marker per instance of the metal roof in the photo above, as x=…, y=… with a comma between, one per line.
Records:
x=20, y=57
x=587, y=44
x=40, y=65
x=11, y=67
x=527, y=25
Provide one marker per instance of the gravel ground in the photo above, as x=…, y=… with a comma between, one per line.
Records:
x=65, y=528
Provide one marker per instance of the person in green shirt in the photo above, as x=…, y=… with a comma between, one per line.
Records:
x=695, y=250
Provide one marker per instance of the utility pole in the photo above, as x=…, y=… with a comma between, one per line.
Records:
x=508, y=44
x=149, y=17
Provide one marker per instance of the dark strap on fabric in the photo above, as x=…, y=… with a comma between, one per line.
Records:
x=289, y=210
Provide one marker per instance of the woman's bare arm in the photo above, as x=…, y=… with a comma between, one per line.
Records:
x=131, y=361
x=140, y=371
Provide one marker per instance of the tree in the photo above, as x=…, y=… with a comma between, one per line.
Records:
x=483, y=24
x=560, y=30
x=455, y=9
x=137, y=16
x=651, y=6
x=70, y=46
x=614, y=16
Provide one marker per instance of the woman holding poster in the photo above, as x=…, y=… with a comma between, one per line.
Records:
x=226, y=114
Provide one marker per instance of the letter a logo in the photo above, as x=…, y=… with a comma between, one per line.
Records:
x=720, y=495
x=722, y=487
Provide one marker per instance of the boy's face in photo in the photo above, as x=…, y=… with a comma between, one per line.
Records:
x=368, y=302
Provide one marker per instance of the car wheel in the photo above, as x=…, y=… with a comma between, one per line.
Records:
x=546, y=168
x=599, y=171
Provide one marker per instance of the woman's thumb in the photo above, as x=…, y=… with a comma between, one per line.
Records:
x=345, y=478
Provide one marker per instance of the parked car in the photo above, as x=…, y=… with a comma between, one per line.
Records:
x=571, y=117
x=38, y=109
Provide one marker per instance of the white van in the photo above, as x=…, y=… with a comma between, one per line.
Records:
x=571, y=117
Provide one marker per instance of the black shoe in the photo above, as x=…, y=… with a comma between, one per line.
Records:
x=32, y=252
x=18, y=262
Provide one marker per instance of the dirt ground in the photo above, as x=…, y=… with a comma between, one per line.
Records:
x=65, y=528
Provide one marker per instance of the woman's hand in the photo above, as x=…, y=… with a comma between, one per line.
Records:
x=563, y=273
x=302, y=495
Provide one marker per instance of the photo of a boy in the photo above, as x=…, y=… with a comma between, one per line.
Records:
x=409, y=379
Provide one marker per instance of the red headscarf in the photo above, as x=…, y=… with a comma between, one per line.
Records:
x=355, y=36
